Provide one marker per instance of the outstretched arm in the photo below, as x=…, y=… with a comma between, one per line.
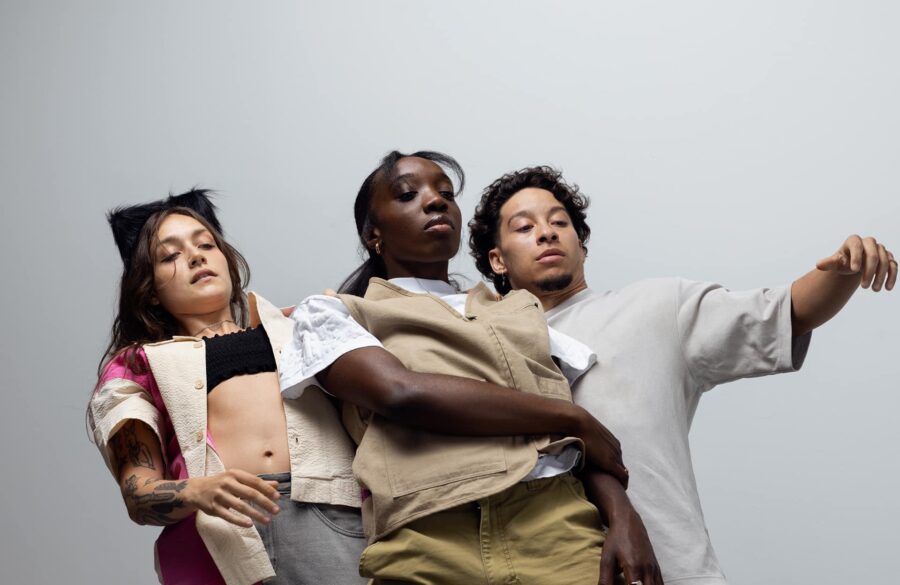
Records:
x=373, y=378
x=818, y=296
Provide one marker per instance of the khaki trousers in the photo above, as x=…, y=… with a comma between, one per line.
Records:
x=541, y=532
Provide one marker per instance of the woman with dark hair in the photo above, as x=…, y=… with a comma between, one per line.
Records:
x=462, y=483
x=358, y=281
x=190, y=421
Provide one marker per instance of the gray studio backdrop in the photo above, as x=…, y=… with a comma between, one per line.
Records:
x=726, y=141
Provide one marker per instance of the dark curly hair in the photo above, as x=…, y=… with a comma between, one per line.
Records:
x=484, y=227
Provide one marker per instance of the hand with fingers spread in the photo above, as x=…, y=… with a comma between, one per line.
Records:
x=875, y=264
x=234, y=495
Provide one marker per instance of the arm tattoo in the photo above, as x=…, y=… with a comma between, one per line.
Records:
x=129, y=449
x=155, y=506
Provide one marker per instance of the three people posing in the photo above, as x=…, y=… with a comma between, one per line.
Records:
x=451, y=489
x=155, y=422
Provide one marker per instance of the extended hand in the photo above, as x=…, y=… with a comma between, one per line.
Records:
x=230, y=494
x=864, y=256
x=628, y=547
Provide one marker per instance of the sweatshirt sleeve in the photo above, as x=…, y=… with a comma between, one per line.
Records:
x=726, y=335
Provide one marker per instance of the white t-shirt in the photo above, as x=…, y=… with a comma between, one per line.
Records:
x=324, y=330
x=660, y=344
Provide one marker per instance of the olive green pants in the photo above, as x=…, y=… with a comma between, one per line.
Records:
x=541, y=532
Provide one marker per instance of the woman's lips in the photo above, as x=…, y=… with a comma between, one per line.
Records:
x=203, y=275
x=440, y=223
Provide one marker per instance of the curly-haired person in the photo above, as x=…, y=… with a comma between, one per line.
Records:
x=660, y=343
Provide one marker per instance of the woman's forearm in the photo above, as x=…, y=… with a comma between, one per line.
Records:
x=234, y=495
x=608, y=495
x=375, y=379
x=149, y=497
x=627, y=546
x=157, y=502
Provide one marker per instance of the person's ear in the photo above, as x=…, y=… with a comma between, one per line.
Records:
x=498, y=264
x=373, y=240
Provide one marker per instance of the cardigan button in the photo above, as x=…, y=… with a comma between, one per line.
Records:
x=199, y=436
x=198, y=384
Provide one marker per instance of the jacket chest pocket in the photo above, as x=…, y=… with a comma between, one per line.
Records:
x=525, y=344
x=549, y=381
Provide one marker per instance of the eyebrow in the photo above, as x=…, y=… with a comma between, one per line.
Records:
x=175, y=239
x=408, y=176
x=529, y=213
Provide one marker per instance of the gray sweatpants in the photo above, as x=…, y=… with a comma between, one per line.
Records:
x=312, y=544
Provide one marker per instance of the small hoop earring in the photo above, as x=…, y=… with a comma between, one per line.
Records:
x=378, y=248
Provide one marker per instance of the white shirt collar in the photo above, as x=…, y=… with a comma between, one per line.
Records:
x=425, y=286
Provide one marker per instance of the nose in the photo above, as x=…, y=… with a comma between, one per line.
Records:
x=434, y=201
x=546, y=232
x=197, y=258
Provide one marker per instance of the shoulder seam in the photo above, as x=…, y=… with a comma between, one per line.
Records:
x=678, y=334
